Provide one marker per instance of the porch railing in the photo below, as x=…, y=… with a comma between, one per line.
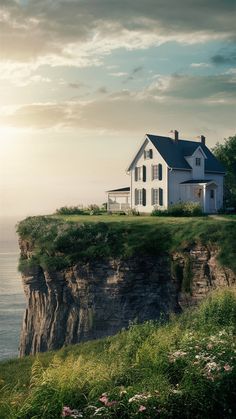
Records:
x=118, y=207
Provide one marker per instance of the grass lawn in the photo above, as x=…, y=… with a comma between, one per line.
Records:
x=142, y=219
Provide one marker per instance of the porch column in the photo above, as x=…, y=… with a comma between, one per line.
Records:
x=204, y=198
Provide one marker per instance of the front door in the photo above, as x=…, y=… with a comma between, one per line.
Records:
x=212, y=198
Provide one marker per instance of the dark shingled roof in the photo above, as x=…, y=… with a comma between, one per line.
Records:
x=174, y=153
x=197, y=181
x=127, y=189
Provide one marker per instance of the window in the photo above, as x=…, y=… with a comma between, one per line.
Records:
x=212, y=193
x=154, y=172
x=148, y=154
x=140, y=197
x=157, y=171
x=154, y=196
x=160, y=196
x=198, y=161
x=138, y=173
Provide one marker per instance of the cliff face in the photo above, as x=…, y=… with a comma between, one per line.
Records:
x=94, y=300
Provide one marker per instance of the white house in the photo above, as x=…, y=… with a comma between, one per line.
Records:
x=167, y=171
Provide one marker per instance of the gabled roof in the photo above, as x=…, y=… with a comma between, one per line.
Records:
x=174, y=153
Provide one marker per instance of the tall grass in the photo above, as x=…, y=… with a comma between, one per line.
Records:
x=185, y=368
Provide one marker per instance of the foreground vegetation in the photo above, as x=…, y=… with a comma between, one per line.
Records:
x=183, y=369
x=60, y=241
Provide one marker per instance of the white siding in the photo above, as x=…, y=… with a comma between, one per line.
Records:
x=219, y=180
x=175, y=187
x=197, y=171
x=149, y=184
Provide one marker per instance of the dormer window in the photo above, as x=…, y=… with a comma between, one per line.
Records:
x=148, y=154
x=198, y=161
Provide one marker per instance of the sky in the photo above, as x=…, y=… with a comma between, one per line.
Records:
x=82, y=81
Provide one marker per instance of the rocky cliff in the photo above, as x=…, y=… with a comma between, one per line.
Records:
x=97, y=299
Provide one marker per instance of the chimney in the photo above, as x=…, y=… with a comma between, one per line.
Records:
x=176, y=134
x=203, y=140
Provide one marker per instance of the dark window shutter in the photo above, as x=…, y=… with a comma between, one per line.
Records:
x=152, y=169
x=152, y=196
x=150, y=153
x=136, y=197
x=160, y=171
x=160, y=196
x=144, y=197
x=144, y=173
x=136, y=174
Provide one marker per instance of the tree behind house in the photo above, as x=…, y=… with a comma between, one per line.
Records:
x=226, y=154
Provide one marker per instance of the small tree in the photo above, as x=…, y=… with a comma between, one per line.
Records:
x=226, y=154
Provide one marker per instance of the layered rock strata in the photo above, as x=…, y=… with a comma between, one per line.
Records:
x=90, y=301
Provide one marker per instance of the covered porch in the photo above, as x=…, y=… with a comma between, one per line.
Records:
x=118, y=200
x=203, y=192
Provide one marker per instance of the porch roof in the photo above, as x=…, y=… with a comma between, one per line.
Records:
x=126, y=189
x=202, y=181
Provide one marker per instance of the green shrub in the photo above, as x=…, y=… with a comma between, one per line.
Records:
x=182, y=209
x=70, y=211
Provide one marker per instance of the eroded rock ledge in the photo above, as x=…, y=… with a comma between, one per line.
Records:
x=89, y=301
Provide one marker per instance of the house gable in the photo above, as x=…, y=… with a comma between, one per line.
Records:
x=174, y=152
x=149, y=175
x=138, y=155
x=197, y=162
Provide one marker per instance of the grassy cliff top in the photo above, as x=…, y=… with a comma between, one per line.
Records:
x=183, y=369
x=61, y=241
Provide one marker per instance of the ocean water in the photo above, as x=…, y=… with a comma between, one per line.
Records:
x=12, y=301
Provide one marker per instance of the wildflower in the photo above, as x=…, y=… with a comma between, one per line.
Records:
x=227, y=367
x=176, y=355
x=123, y=392
x=174, y=391
x=104, y=399
x=138, y=397
x=211, y=366
x=66, y=411
x=142, y=408
x=209, y=346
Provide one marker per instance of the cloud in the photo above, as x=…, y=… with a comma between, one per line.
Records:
x=165, y=100
x=119, y=74
x=80, y=33
x=200, y=65
x=219, y=87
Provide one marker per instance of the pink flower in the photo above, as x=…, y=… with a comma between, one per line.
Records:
x=66, y=411
x=142, y=408
x=104, y=399
x=227, y=367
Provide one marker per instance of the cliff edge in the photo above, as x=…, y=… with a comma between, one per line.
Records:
x=75, y=294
